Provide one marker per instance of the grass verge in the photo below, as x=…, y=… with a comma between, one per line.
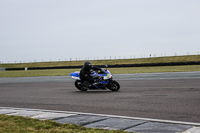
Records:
x=18, y=124
x=109, y=62
x=127, y=70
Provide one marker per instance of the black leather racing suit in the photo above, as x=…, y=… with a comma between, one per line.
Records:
x=85, y=74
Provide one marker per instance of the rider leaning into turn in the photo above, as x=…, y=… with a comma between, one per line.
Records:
x=85, y=73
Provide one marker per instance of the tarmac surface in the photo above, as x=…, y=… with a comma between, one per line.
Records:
x=165, y=96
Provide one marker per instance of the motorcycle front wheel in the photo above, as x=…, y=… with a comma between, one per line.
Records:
x=113, y=86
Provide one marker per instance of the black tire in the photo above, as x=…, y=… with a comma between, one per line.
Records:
x=79, y=85
x=113, y=86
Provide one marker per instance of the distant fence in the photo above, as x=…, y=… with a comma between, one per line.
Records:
x=111, y=66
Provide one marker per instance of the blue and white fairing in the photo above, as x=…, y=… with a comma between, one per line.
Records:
x=76, y=75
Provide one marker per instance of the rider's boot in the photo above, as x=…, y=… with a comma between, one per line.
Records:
x=97, y=83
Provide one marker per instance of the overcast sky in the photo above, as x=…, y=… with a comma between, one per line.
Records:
x=45, y=30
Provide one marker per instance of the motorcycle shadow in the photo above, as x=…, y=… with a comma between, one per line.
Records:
x=96, y=91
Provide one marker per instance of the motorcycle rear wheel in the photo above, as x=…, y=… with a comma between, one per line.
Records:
x=113, y=86
x=79, y=85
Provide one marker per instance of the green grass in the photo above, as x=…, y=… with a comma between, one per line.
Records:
x=18, y=124
x=109, y=62
x=158, y=69
x=61, y=72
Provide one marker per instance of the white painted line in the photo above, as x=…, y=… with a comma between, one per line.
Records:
x=114, y=116
x=192, y=130
x=50, y=115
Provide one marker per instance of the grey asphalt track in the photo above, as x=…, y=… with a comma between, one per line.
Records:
x=168, y=96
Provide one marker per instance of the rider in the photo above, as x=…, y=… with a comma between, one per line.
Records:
x=85, y=73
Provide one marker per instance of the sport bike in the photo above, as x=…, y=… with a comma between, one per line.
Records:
x=105, y=81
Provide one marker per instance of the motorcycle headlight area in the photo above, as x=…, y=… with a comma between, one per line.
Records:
x=108, y=76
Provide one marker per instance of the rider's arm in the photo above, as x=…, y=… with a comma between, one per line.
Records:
x=96, y=68
x=88, y=78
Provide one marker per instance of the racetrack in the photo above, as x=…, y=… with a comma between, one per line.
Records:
x=169, y=96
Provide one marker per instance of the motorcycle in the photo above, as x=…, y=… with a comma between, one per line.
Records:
x=106, y=81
